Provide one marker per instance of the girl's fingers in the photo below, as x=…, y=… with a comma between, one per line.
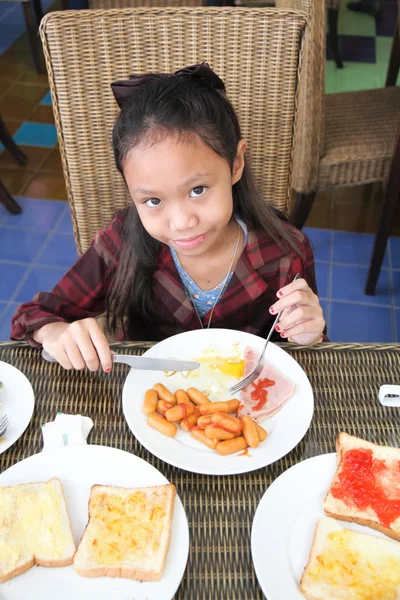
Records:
x=299, y=284
x=62, y=357
x=299, y=315
x=101, y=346
x=74, y=354
x=315, y=326
x=299, y=297
x=87, y=350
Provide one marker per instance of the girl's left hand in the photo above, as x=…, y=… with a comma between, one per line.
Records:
x=302, y=319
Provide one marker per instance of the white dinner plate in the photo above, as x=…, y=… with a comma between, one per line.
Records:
x=285, y=429
x=80, y=467
x=16, y=401
x=284, y=525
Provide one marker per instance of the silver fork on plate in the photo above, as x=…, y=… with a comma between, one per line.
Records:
x=4, y=423
x=252, y=376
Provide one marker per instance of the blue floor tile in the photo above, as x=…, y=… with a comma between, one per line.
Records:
x=10, y=276
x=20, y=245
x=46, y=100
x=348, y=284
x=395, y=252
x=37, y=214
x=43, y=135
x=6, y=7
x=322, y=274
x=397, y=319
x=66, y=224
x=354, y=248
x=321, y=242
x=60, y=251
x=40, y=279
x=360, y=323
x=396, y=287
x=5, y=321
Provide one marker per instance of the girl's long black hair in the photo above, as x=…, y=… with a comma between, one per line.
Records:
x=183, y=105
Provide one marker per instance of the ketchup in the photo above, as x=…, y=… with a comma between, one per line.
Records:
x=260, y=392
x=359, y=484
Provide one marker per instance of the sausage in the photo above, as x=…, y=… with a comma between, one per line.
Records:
x=231, y=446
x=229, y=406
x=197, y=397
x=182, y=398
x=202, y=422
x=164, y=394
x=218, y=434
x=179, y=412
x=188, y=422
x=262, y=434
x=226, y=422
x=162, y=425
x=250, y=432
x=163, y=406
x=150, y=402
x=199, y=435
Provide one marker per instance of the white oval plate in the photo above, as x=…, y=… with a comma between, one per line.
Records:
x=284, y=525
x=17, y=401
x=80, y=467
x=285, y=429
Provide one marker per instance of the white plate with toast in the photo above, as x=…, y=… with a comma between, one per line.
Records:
x=17, y=401
x=284, y=525
x=80, y=467
x=285, y=429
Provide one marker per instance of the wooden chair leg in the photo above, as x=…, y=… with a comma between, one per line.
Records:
x=302, y=208
x=394, y=60
x=8, y=201
x=385, y=223
x=333, y=16
x=33, y=14
x=10, y=145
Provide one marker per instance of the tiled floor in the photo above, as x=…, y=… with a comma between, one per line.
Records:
x=37, y=246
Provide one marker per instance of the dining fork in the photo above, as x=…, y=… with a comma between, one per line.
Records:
x=4, y=423
x=252, y=376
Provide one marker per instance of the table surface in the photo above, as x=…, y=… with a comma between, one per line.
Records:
x=345, y=379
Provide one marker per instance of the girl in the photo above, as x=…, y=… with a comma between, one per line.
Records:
x=197, y=247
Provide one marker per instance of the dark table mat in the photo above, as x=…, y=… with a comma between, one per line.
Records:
x=345, y=379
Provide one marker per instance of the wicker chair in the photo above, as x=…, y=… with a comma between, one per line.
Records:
x=255, y=51
x=108, y=4
x=345, y=139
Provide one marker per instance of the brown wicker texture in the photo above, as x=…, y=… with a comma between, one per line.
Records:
x=308, y=137
x=255, y=51
x=106, y=4
x=341, y=124
x=360, y=135
x=220, y=510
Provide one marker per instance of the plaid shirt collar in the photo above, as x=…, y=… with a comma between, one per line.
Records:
x=246, y=284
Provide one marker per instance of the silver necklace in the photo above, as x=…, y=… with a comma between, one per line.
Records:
x=223, y=286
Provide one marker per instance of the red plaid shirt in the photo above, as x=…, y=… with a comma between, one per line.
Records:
x=262, y=269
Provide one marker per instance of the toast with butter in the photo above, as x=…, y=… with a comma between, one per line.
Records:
x=366, y=485
x=34, y=528
x=128, y=532
x=348, y=565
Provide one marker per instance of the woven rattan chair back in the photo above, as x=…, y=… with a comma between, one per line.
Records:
x=255, y=51
x=107, y=4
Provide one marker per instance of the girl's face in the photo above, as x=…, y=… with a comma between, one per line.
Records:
x=182, y=191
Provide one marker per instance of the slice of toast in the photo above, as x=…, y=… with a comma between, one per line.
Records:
x=128, y=533
x=366, y=486
x=34, y=528
x=348, y=565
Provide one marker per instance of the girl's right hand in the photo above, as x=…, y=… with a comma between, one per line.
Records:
x=76, y=345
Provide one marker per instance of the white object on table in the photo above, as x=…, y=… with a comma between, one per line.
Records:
x=389, y=390
x=66, y=430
